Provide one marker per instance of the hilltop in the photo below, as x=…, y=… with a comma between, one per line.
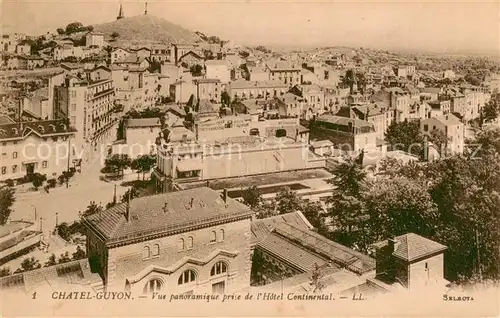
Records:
x=146, y=28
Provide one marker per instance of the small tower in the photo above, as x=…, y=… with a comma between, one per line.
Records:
x=146, y=8
x=120, y=13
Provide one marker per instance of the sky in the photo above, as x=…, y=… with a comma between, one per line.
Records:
x=448, y=27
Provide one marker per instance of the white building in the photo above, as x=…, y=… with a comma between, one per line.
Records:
x=94, y=39
x=218, y=69
x=451, y=126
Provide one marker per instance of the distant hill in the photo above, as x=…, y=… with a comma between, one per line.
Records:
x=146, y=28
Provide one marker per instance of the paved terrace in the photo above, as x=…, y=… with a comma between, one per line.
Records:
x=261, y=179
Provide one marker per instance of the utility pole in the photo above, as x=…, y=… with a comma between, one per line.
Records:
x=41, y=224
x=114, y=196
x=57, y=218
x=69, y=155
x=34, y=208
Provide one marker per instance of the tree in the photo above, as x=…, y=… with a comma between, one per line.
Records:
x=490, y=111
x=79, y=254
x=92, y=208
x=5, y=271
x=51, y=261
x=225, y=99
x=115, y=35
x=244, y=54
x=252, y=197
x=196, y=70
x=316, y=283
x=73, y=27
x=348, y=177
x=314, y=214
x=6, y=201
x=118, y=163
x=143, y=164
x=208, y=54
x=287, y=201
x=405, y=136
x=60, y=31
x=489, y=141
x=64, y=258
x=130, y=194
x=473, y=80
x=439, y=138
x=29, y=264
x=63, y=231
x=37, y=180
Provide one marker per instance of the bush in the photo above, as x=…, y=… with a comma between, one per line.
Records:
x=72, y=170
x=52, y=183
x=9, y=182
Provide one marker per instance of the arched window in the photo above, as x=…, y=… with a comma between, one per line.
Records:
x=213, y=237
x=156, y=250
x=221, y=235
x=187, y=277
x=153, y=286
x=181, y=244
x=190, y=242
x=146, y=253
x=219, y=268
x=281, y=133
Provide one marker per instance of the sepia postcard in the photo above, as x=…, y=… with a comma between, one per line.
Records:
x=246, y=158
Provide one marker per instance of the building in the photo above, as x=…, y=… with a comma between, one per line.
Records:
x=23, y=49
x=242, y=89
x=36, y=147
x=257, y=73
x=452, y=127
x=94, y=39
x=458, y=103
x=139, y=137
x=118, y=54
x=180, y=49
x=90, y=107
x=218, y=69
x=349, y=134
x=284, y=72
x=186, y=241
x=410, y=260
x=233, y=146
x=314, y=99
x=190, y=59
x=208, y=88
x=16, y=238
x=64, y=51
x=439, y=108
x=290, y=105
x=161, y=53
x=30, y=62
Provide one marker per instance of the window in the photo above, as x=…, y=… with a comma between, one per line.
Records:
x=221, y=235
x=426, y=266
x=190, y=242
x=4, y=170
x=153, y=286
x=426, y=127
x=146, y=253
x=14, y=168
x=156, y=250
x=73, y=107
x=181, y=244
x=14, y=154
x=44, y=164
x=219, y=268
x=187, y=277
x=213, y=237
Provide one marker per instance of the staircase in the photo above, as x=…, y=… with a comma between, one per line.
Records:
x=97, y=286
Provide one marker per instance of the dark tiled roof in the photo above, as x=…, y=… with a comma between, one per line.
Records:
x=143, y=122
x=164, y=214
x=339, y=254
x=263, y=227
x=343, y=121
x=42, y=128
x=71, y=273
x=291, y=253
x=412, y=246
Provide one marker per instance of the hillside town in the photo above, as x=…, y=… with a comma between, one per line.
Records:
x=140, y=156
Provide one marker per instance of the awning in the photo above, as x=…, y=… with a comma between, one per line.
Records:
x=189, y=165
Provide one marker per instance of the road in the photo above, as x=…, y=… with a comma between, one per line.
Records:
x=64, y=203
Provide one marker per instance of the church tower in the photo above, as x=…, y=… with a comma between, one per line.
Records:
x=120, y=13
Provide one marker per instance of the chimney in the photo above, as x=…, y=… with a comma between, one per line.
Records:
x=224, y=195
x=127, y=208
x=392, y=244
